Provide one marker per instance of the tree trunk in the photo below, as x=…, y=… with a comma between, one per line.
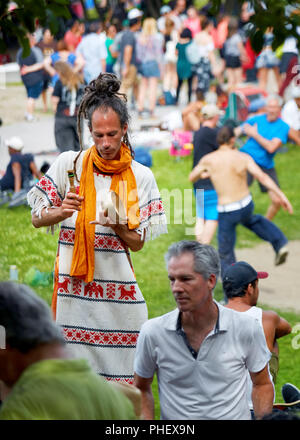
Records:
x=152, y=7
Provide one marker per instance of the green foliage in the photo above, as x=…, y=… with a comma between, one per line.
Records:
x=21, y=20
x=26, y=247
x=199, y=4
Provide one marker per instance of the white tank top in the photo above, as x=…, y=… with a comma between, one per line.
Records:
x=256, y=312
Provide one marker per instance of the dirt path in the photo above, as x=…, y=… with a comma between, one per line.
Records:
x=282, y=288
x=13, y=103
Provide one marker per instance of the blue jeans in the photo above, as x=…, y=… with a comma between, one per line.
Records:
x=261, y=226
x=35, y=90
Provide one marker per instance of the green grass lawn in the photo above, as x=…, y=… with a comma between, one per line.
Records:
x=27, y=247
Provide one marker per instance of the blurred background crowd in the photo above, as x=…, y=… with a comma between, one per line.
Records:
x=168, y=53
x=174, y=53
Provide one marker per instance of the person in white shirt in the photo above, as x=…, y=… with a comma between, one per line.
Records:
x=201, y=351
x=92, y=48
x=291, y=110
x=241, y=286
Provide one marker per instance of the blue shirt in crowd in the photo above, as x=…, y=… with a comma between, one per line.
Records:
x=269, y=130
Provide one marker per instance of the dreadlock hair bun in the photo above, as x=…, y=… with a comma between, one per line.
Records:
x=107, y=84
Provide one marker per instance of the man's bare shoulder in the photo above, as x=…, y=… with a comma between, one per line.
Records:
x=209, y=157
x=245, y=155
x=241, y=157
x=234, y=154
x=270, y=316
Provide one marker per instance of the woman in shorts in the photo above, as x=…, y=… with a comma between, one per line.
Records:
x=235, y=54
x=150, y=54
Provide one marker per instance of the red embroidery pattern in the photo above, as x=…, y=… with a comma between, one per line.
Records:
x=127, y=294
x=96, y=290
x=77, y=286
x=108, y=242
x=100, y=337
x=93, y=290
x=152, y=208
x=50, y=189
x=67, y=235
x=63, y=285
x=110, y=290
x=102, y=242
x=128, y=380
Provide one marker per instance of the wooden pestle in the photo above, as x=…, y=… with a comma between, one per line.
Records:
x=71, y=177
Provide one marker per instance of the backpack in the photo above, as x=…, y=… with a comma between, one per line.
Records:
x=192, y=53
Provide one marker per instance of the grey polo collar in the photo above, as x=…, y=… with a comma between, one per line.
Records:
x=222, y=323
x=180, y=331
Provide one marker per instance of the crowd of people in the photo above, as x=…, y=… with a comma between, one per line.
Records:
x=183, y=45
x=212, y=360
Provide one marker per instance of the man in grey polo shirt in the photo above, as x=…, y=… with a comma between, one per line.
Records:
x=201, y=351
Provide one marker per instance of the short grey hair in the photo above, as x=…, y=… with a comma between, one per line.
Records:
x=275, y=97
x=206, y=258
x=26, y=318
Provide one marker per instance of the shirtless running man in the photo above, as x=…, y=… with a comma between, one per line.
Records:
x=227, y=168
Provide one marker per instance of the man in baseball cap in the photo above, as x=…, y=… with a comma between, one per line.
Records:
x=165, y=9
x=134, y=14
x=209, y=111
x=240, y=285
x=20, y=170
x=238, y=276
x=15, y=143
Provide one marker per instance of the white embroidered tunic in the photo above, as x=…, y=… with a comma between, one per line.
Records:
x=100, y=319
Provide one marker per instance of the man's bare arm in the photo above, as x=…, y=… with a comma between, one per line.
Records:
x=55, y=101
x=265, y=180
x=274, y=327
x=238, y=131
x=34, y=170
x=270, y=145
x=282, y=326
x=33, y=68
x=79, y=63
x=127, y=59
x=294, y=135
x=52, y=216
x=17, y=172
x=144, y=385
x=262, y=393
x=48, y=67
x=200, y=171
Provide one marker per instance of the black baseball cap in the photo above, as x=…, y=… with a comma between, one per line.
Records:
x=240, y=274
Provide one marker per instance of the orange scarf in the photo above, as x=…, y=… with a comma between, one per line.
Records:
x=123, y=183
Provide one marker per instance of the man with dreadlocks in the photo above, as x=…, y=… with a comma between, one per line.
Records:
x=96, y=299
